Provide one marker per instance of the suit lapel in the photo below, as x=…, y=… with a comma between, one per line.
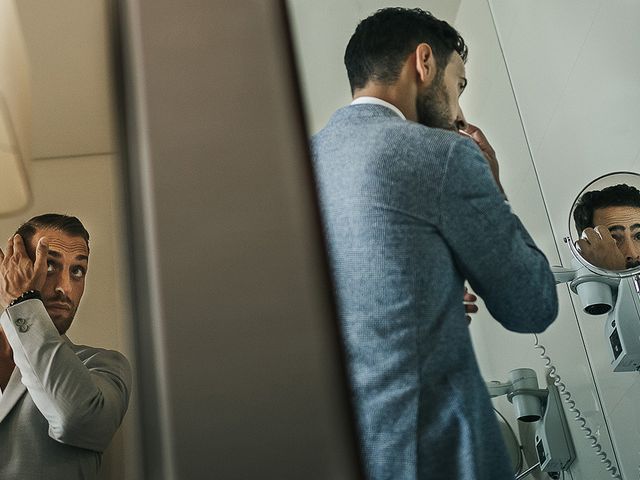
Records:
x=15, y=389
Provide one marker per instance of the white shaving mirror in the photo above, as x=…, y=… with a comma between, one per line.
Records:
x=604, y=225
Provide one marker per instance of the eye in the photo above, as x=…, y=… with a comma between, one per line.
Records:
x=618, y=238
x=50, y=267
x=636, y=236
x=78, y=272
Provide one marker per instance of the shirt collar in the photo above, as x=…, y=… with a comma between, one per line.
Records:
x=378, y=101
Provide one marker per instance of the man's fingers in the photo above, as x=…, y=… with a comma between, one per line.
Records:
x=476, y=133
x=583, y=244
x=604, y=233
x=591, y=235
x=469, y=305
x=18, y=247
x=479, y=137
x=471, y=129
x=9, y=253
x=40, y=264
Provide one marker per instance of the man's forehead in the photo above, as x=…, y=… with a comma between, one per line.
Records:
x=617, y=215
x=62, y=242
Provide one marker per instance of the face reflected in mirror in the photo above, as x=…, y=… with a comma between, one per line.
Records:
x=608, y=222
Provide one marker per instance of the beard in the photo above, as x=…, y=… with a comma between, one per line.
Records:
x=432, y=106
x=632, y=263
x=61, y=317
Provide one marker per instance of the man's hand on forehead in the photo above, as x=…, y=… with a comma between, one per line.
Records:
x=598, y=247
x=18, y=273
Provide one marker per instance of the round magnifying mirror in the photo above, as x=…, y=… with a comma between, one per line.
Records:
x=604, y=225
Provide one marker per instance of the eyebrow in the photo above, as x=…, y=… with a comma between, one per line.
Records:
x=622, y=228
x=56, y=254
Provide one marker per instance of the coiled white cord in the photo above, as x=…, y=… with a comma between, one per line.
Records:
x=588, y=433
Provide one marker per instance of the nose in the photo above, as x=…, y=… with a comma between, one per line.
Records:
x=62, y=284
x=460, y=121
x=631, y=252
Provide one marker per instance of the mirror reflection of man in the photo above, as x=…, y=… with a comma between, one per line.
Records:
x=412, y=208
x=609, y=223
x=60, y=403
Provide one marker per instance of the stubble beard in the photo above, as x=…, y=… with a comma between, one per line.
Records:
x=432, y=106
x=62, y=323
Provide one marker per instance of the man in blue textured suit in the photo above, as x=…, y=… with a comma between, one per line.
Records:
x=412, y=208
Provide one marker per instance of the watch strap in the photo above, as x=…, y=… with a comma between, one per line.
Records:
x=28, y=295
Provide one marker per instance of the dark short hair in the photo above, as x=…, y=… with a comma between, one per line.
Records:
x=55, y=221
x=620, y=195
x=381, y=43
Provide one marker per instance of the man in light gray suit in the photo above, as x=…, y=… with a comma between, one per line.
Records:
x=60, y=403
x=413, y=207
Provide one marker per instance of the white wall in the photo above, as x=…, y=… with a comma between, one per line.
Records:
x=575, y=75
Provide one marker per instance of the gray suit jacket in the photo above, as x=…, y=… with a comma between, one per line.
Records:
x=410, y=213
x=63, y=402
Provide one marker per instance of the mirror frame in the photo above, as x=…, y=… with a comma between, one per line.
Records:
x=571, y=242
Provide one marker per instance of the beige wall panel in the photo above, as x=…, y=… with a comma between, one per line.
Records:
x=67, y=41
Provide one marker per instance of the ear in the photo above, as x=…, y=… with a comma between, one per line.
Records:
x=425, y=63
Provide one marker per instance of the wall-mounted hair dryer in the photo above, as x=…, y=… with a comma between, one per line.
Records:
x=521, y=390
x=553, y=443
x=620, y=298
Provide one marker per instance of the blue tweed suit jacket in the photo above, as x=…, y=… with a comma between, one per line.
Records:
x=410, y=213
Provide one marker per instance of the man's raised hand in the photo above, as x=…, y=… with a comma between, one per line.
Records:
x=599, y=248
x=18, y=272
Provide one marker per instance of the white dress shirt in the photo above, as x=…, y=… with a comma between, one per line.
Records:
x=378, y=101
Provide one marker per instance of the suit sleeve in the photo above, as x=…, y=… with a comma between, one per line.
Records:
x=84, y=403
x=491, y=246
